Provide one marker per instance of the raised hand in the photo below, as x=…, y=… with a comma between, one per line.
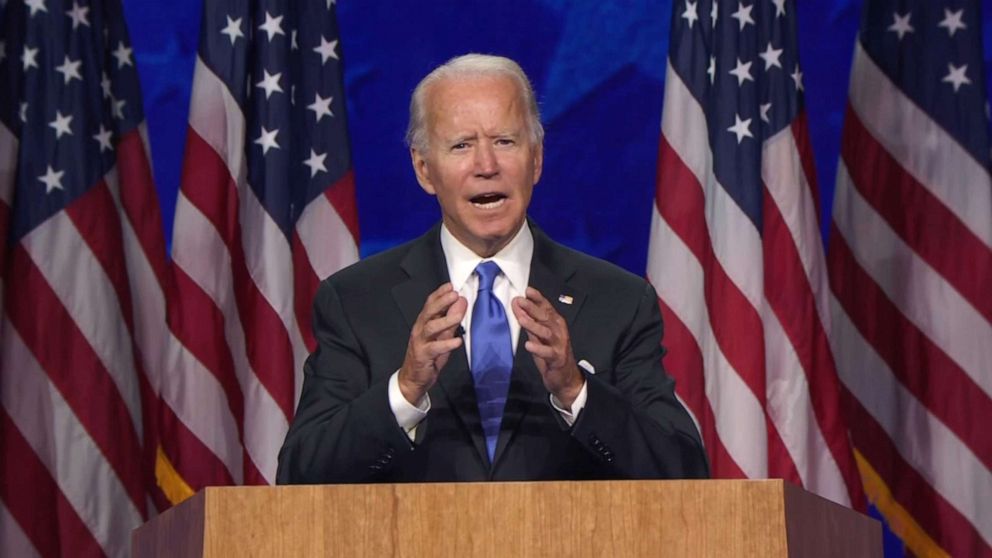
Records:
x=550, y=345
x=432, y=339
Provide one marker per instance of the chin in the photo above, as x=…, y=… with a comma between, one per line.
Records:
x=503, y=229
x=490, y=239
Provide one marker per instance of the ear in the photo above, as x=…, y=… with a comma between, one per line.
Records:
x=422, y=170
x=538, y=162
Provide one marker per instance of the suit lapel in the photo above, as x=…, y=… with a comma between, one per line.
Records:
x=427, y=270
x=549, y=274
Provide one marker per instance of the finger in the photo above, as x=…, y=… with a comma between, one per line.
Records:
x=540, y=309
x=528, y=307
x=459, y=307
x=535, y=295
x=546, y=310
x=540, y=350
x=438, y=302
x=533, y=328
x=441, y=290
x=445, y=325
x=440, y=347
x=543, y=322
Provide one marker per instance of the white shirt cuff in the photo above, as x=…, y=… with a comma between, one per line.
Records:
x=569, y=416
x=407, y=416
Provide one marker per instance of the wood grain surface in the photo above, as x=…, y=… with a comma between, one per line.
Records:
x=615, y=518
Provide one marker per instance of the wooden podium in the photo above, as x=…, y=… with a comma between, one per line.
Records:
x=615, y=518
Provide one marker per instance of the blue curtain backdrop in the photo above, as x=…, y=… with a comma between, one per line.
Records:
x=598, y=68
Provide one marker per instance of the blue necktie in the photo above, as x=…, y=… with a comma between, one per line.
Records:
x=492, y=354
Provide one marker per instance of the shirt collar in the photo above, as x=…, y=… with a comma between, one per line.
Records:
x=513, y=259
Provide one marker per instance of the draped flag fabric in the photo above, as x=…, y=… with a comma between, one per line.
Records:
x=84, y=282
x=735, y=252
x=266, y=209
x=911, y=273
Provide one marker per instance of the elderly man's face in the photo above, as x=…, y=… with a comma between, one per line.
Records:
x=482, y=163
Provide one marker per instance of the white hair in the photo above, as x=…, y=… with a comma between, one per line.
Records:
x=471, y=65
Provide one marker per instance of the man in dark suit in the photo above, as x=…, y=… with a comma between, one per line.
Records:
x=421, y=373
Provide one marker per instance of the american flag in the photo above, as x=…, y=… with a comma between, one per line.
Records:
x=911, y=273
x=735, y=252
x=266, y=209
x=84, y=275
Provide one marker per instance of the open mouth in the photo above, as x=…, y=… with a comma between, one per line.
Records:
x=489, y=200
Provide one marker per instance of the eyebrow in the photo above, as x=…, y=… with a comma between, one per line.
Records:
x=474, y=136
x=461, y=138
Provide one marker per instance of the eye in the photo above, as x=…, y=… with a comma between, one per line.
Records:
x=505, y=141
x=459, y=146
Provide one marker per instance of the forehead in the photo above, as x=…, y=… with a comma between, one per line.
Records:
x=464, y=100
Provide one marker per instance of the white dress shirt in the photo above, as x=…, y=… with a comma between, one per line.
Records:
x=514, y=262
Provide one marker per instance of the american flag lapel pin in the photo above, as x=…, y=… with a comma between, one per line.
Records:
x=565, y=299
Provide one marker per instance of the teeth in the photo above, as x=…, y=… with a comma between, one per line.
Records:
x=490, y=205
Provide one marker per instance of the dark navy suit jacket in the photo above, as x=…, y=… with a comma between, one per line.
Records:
x=344, y=430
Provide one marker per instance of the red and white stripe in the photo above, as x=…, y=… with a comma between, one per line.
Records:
x=910, y=270
x=8, y=176
x=242, y=314
x=78, y=354
x=746, y=311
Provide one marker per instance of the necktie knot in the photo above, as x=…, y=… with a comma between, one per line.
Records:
x=487, y=272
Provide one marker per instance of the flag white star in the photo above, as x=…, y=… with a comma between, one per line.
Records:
x=321, y=107
x=765, y=107
x=900, y=24
x=118, y=108
x=742, y=72
x=272, y=25
x=779, y=7
x=326, y=50
x=267, y=140
x=78, y=14
x=61, y=124
x=952, y=21
x=270, y=83
x=714, y=11
x=330, y=3
x=711, y=70
x=292, y=41
x=123, y=55
x=743, y=14
x=690, y=14
x=24, y=111
x=52, y=179
x=69, y=70
x=3, y=50
x=316, y=163
x=29, y=57
x=741, y=128
x=36, y=6
x=105, y=85
x=797, y=77
x=956, y=76
x=233, y=29
x=771, y=56
x=103, y=137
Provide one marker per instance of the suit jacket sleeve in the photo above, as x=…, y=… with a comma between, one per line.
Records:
x=344, y=430
x=632, y=419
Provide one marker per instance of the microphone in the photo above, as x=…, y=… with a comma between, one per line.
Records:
x=460, y=331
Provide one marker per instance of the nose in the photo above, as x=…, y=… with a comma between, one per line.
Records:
x=486, y=165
